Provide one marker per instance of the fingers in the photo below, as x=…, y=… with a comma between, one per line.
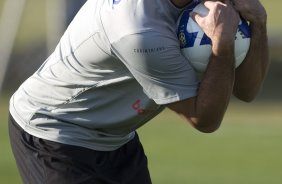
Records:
x=213, y=8
x=209, y=4
x=196, y=17
x=212, y=3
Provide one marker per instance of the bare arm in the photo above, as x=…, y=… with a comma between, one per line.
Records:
x=205, y=112
x=251, y=73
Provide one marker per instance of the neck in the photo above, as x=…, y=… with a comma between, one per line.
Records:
x=180, y=3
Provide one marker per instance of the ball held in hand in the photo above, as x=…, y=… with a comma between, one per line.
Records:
x=196, y=45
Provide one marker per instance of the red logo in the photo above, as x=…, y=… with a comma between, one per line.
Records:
x=141, y=111
x=137, y=106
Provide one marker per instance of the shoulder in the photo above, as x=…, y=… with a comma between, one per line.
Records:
x=147, y=45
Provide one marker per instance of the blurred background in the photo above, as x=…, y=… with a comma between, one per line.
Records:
x=246, y=149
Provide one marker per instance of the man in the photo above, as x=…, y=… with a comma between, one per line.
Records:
x=116, y=67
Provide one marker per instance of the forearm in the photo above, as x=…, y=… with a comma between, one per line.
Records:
x=251, y=73
x=215, y=90
x=206, y=111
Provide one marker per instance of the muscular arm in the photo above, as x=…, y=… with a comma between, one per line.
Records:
x=205, y=112
x=251, y=73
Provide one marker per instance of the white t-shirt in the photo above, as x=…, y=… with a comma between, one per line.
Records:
x=113, y=70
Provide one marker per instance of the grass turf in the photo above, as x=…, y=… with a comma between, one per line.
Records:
x=246, y=149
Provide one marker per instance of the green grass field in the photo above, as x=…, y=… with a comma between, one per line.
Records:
x=246, y=149
x=8, y=172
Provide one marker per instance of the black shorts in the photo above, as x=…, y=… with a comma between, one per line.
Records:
x=41, y=161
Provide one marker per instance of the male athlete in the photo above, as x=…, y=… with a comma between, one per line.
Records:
x=116, y=67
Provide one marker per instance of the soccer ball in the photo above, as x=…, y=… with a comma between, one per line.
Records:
x=196, y=45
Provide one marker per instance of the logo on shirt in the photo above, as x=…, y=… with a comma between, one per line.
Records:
x=139, y=109
x=148, y=50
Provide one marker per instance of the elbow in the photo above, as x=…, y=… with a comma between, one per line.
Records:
x=209, y=121
x=246, y=97
x=207, y=126
x=247, y=93
x=207, y=129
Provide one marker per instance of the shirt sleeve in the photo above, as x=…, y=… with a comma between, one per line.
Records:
x=156, y=62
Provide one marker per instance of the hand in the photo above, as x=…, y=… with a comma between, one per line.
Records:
x=251, y=10
x=220, y=24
